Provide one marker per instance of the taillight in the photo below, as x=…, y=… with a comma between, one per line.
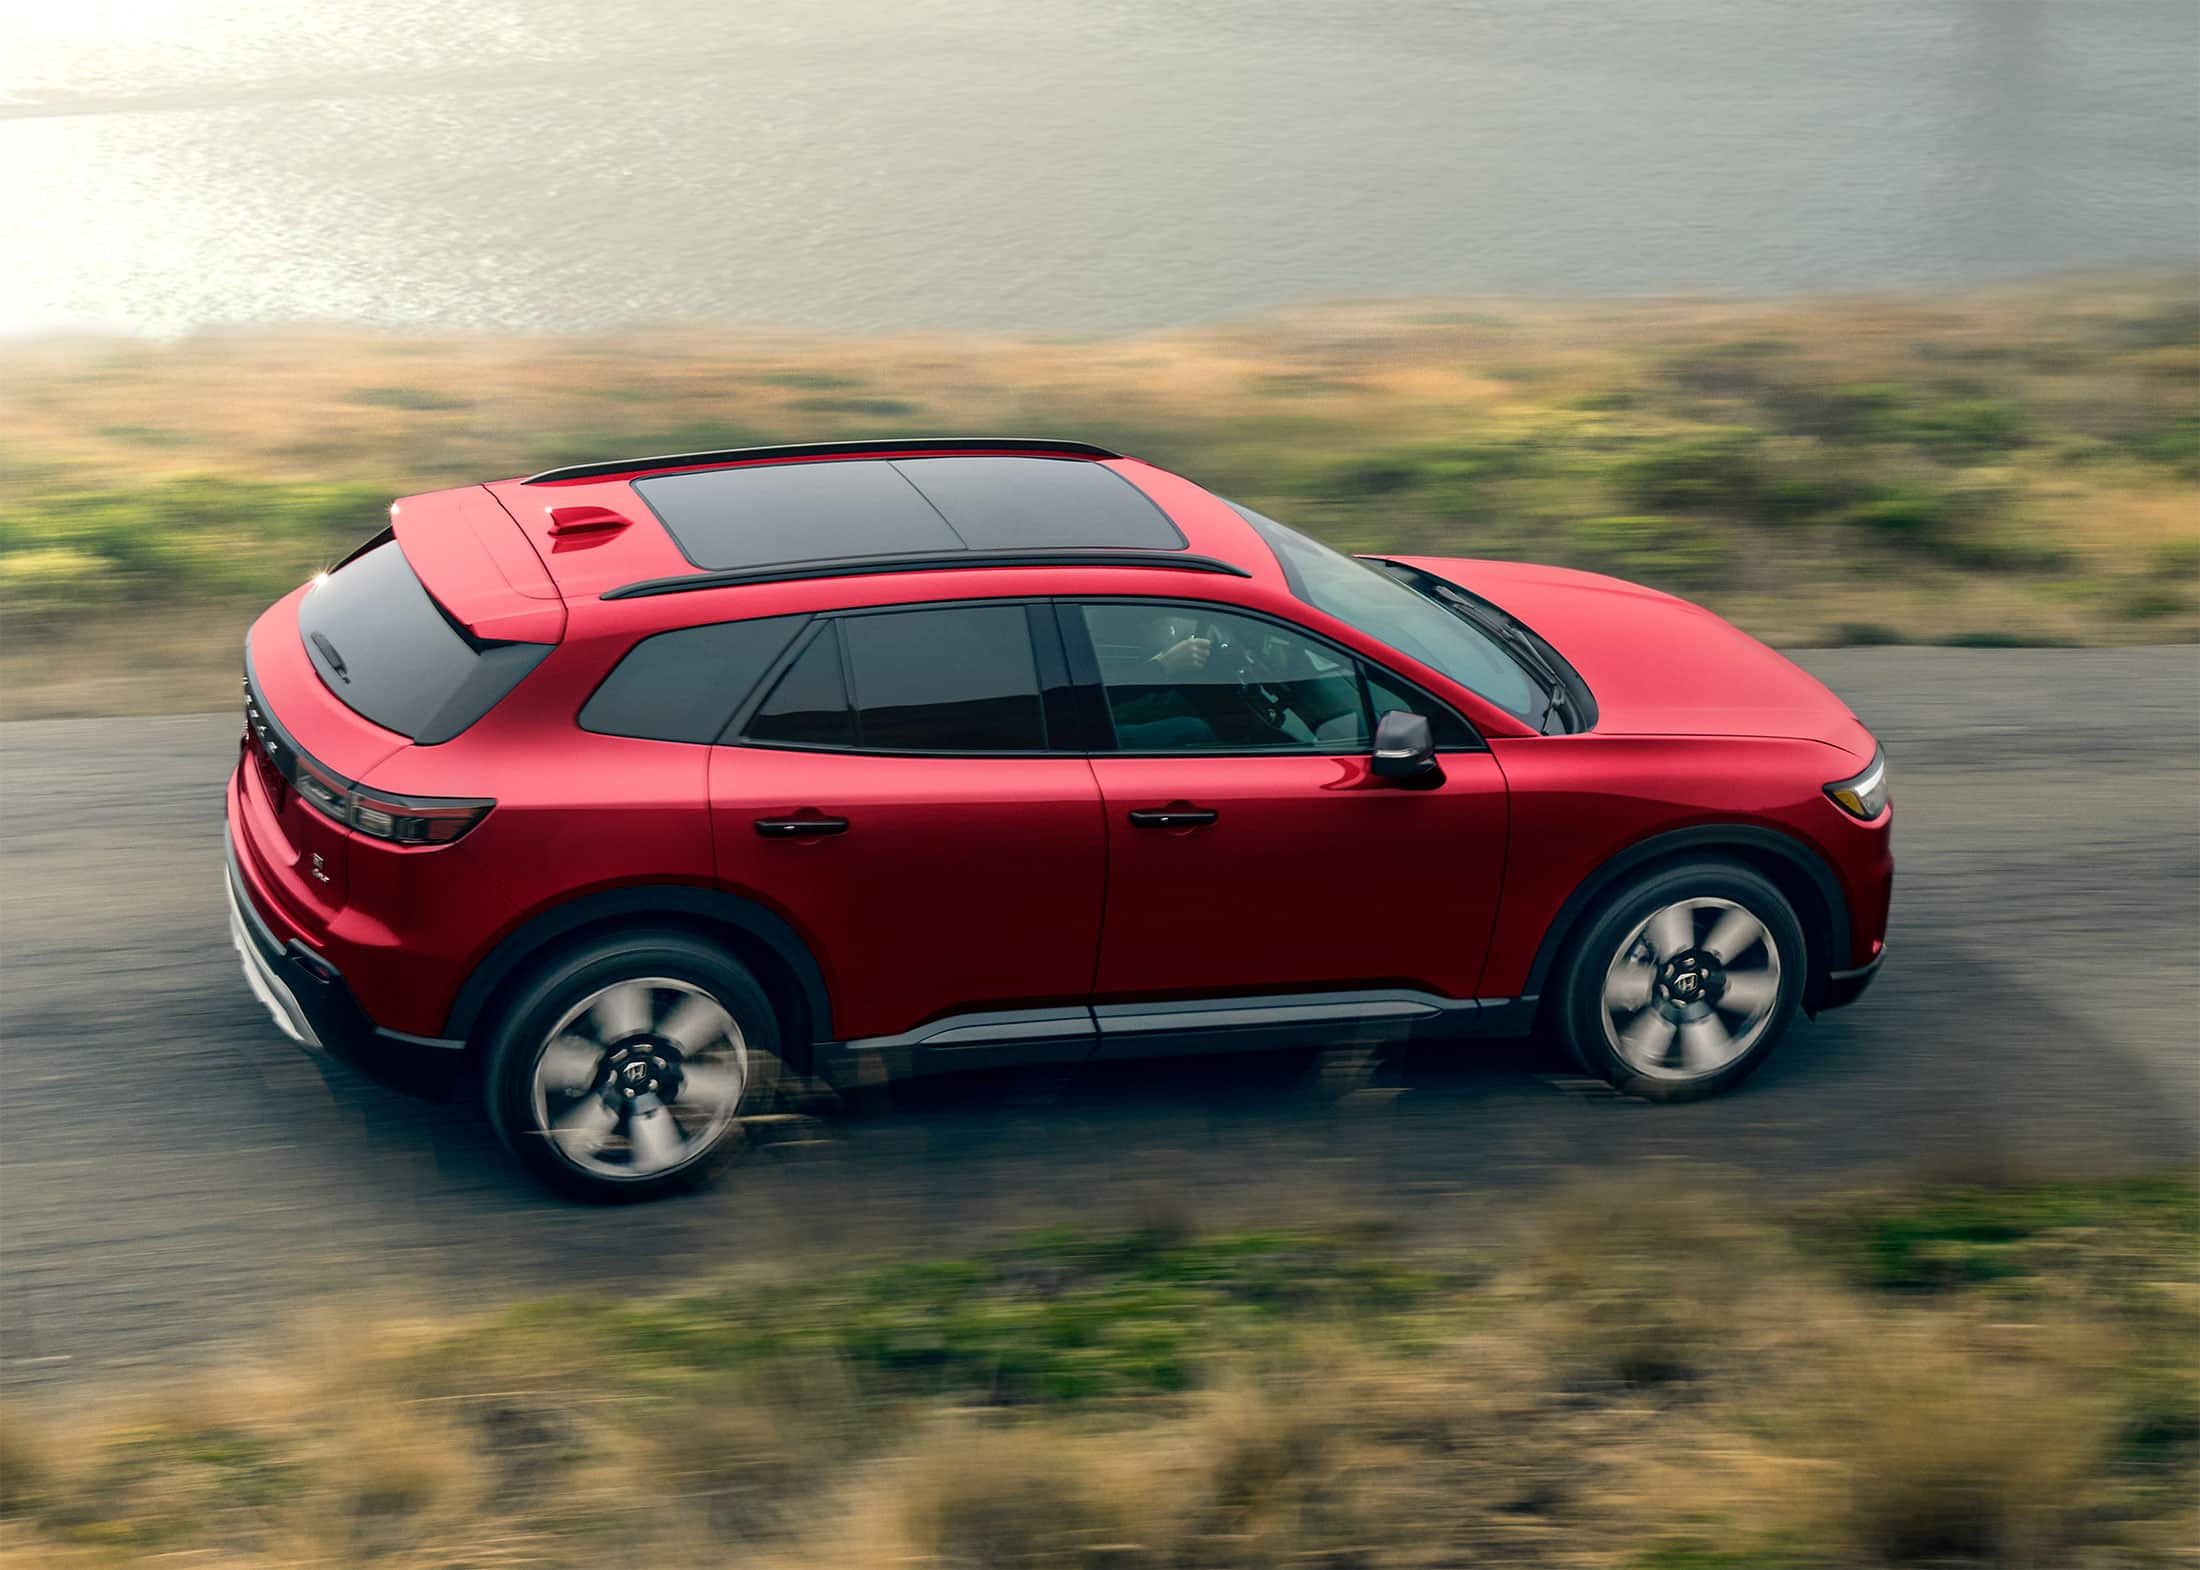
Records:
x=401, y=820
x=416, y=820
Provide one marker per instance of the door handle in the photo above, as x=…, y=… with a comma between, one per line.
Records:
x=799, y=828
x=1173, y=817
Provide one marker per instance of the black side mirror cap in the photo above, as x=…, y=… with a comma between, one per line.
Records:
x=1405, y=749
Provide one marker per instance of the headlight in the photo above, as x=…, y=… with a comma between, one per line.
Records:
x=1863, y=795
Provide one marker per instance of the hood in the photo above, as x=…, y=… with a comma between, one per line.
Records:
x=1657, y=665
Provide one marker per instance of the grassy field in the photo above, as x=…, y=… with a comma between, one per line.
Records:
x=2003, y=1372
x=2019, y=466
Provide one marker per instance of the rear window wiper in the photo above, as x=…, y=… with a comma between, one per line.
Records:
x=335, y=660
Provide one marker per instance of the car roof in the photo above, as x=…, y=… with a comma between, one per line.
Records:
x=678, y=522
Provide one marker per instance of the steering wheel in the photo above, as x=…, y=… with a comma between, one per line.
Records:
x=1235, y=661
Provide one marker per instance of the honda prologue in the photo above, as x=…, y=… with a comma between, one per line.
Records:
x=628, y=784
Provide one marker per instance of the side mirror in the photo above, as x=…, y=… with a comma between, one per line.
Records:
x=1405, y=749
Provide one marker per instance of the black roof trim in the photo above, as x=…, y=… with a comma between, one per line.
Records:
x=1035, y=445
x=929, y=561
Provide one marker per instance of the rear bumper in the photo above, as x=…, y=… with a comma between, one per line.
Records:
x=312, y=1004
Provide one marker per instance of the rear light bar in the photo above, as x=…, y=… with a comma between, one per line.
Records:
x=382, y=815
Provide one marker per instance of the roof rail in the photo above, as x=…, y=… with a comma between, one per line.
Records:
x=929, y=561
x=1036, y=445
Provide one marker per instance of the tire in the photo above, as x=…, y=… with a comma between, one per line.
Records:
x=619, y=1071
x=1718, y=961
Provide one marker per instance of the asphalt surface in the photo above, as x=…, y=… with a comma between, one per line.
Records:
x=176, y=1179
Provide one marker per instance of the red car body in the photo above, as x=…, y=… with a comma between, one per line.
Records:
x=1000, y=901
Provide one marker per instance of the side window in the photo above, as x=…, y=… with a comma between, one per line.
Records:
x=809, y=706
x=1451, y=733
x=683, y=685
x=952, y=679
x=940, y=679
x=1181, y=678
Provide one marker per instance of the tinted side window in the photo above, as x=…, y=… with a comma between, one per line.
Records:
x=809, y=706
x=1180, y=678
x=953, y=679
x=683, y=685
x=1448, y=729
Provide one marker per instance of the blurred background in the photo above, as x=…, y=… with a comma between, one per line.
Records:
x=1873, y=325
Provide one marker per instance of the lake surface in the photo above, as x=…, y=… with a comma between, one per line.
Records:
x=1063, y=164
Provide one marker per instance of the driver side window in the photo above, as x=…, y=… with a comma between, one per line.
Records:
x=1183, y=678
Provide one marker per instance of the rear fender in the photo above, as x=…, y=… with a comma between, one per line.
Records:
x=753, y=932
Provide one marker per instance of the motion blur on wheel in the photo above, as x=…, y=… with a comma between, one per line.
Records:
x=616, y=789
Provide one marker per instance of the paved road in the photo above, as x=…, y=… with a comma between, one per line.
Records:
x=174, y=1176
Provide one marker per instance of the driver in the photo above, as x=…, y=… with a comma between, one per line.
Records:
x=1183, y=655
x=1148, y=702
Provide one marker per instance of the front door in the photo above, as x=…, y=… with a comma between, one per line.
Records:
x=1252, y=850
x=892, y=798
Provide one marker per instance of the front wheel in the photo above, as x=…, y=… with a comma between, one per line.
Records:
x=1683, y=982
x=619, y=1073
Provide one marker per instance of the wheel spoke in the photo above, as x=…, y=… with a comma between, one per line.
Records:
x=694, y=1024
x=1731, y=937
x=1671, y=930
x=710, y=1087
x=656, y=1138
x=1647, y=1038
x=623, y=1011
x=584, y=1126
x=1750, y=992
x=569, y=1064
x=1627, y=987
x=1705, y=1044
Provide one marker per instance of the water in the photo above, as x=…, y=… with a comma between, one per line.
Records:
x=1064, y=164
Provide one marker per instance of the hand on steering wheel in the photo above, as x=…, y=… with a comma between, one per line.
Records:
x=1237, y=662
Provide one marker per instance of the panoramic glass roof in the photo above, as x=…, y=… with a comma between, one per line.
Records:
x=768, y=514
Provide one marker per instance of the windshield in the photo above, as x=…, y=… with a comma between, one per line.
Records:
x=1380, y=606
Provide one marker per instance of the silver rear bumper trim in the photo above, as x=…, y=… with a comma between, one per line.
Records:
x=267, y=986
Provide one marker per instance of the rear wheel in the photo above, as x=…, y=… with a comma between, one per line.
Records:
x=1684, y=982
x=621, y=1070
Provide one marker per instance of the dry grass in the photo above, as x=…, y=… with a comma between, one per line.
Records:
x=2015, y=465
x=1636, y=1380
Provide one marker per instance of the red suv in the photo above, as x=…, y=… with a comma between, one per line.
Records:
x=631, y=782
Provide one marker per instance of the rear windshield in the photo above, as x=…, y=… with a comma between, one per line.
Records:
x=383, y=646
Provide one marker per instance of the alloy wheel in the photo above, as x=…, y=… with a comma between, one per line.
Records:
x=1691, y=989
x=640, y=1078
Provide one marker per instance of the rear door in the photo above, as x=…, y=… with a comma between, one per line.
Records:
x=892, y=795
x=1252, y=849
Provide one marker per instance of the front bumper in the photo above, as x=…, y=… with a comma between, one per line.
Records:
x=312, y=1004
x=1844, y=987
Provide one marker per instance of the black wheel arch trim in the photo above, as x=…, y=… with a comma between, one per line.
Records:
x=1794, y=853
x=638, y=904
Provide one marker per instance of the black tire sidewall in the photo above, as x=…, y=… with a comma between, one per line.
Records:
x=561, y=981
x=1579, y=1006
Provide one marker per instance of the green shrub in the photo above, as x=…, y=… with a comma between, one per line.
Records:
x=1864, y=634
x=2177, y=558
x=1656, y=550
x=2153, y=601
x=840, y=405
x=144, y=435
x=1718, y=471
x=809, y=381
x=2175, y=445
x=176, y=540
x=1906, y=514
x=419, y=399
x=1962, y=429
